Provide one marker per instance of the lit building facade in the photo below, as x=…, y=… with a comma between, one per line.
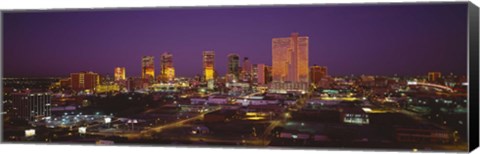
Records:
x=261, y=74
x=107, y=88
x=290, y=69
x=133, y=84
x=233, y=69
x=246, y=73
x=253, y=74
x=323, y=71
x=29, y=106
x=317, y=73
x=84, y=81
x=208, y=65
x=290, y=58
x=119, y=73
x=167, y=72
x=268, y=74
x=434, y=76
x=148, y=67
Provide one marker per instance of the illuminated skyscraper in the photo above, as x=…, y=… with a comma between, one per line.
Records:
x=254, y=75
x=246, y=74
x=268, y=74
x=290, y=58
x=233, y=66
x=84, y=80
x=166, y=65
x=119, y=73
x=148, y=68
x=30, y=106
x=208, y=65
x=290, y=63
x=261, y=74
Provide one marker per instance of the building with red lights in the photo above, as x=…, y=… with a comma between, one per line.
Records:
x=84, y=81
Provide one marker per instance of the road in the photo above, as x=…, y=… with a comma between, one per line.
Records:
x=147, y=133
x=262, y=140
x=268, y=131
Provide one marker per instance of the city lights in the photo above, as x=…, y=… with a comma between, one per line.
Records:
x=225, y=81
x=82, y=130
x=29, y=132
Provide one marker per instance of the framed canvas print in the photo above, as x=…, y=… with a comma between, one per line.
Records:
x=391, y=77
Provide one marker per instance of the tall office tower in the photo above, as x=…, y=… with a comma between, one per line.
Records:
x=233, y=66
x=208, y=65
x=148, y=68
x=315, y=74
x=268, y=74
x=84, y=80
x=261, y=74
x=119, y=73
x=246, y=70
x=254, y=75
x=290, y=63
x=30, y=106
x=290, y=58
x=166, y=65
x=434, y=76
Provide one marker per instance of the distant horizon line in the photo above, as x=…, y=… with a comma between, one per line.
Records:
x=354, y=75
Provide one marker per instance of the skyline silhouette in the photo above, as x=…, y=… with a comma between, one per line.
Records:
x=349, y=39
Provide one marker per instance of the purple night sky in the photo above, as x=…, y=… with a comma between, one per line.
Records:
x=348, y=39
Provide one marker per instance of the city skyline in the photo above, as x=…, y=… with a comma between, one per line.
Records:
x=350, y=76
x=430, y=34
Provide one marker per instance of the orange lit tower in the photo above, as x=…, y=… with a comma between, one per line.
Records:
x=208, y=65
x=119, y=73
x=166, y=65
x=290, y=58
x=290, y=70
x=148, y=68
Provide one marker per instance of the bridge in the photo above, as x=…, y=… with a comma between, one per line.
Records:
x=414, y=83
